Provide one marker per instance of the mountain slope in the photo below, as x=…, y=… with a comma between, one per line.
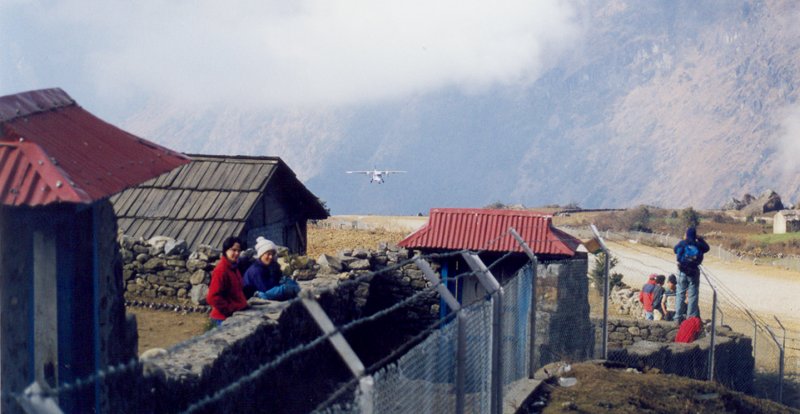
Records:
x=669, y=103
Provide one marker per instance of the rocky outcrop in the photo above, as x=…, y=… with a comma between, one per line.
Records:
x=767, y=202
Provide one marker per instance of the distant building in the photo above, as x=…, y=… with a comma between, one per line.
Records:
x=217, y=196
x=786, y=221
x=62, y=315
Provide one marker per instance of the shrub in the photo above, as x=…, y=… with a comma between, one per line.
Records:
x=597, y=270
x=689, y=218
x=637, y=219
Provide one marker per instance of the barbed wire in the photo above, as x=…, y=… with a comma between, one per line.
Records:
x=304, y=347
x=383, y=361
x=134, y=363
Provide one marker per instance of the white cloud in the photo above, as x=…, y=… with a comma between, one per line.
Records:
x=277, y=53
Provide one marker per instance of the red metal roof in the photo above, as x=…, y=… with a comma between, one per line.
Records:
x=485, y=229
x=52, y=150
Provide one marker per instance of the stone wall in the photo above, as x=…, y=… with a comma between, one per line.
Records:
x=348, y=290
x=201, y=366
x=626, y=301
x=625, y=332
x=650, y=344
x=733, y=358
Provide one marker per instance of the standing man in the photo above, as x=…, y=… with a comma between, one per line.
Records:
x=689, y=253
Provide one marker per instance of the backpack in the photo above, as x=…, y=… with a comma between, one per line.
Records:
x=689, y=255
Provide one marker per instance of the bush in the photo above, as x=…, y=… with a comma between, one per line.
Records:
x=637, y=219
x=720, y=218
x=598, y=268
x=689, y=218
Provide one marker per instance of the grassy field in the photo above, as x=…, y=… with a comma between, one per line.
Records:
x=776, y=238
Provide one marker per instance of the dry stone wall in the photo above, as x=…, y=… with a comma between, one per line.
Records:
x=651, y=344
x=351, y=284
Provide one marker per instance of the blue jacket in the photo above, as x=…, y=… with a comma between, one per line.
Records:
x=261, y=277
x=700, y=244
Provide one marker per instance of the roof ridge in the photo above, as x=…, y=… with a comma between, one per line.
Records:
x=33, y=102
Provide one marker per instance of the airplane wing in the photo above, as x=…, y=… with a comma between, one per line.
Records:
x=358, y=172
x=392, y=172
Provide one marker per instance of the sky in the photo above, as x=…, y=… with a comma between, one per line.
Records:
x=114, y=55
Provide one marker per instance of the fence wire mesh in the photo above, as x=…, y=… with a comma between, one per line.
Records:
x=478, y=364
x=516, y=325
x=422, y=380
x=734, y=319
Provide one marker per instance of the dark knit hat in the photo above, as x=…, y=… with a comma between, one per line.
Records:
x=691, y=233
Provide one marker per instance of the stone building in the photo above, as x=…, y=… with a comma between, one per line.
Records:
x=217, y=196
x=62, y=315
x=786, y=221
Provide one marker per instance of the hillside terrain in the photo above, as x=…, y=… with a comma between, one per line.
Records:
x=669, y=103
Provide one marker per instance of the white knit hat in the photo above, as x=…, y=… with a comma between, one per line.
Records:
x=263, y=245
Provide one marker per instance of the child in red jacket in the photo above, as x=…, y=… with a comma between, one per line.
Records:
x=225, y=295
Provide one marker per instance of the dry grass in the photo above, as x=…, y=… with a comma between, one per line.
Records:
x=608, y=390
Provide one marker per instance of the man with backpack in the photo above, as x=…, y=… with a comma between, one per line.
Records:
x=689, y=253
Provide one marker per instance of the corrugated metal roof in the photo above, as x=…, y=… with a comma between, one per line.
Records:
x=52, y=150
x=485, y=229
x=206, y=200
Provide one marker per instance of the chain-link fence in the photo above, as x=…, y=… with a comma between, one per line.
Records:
x=735, y=326
x=426, y=378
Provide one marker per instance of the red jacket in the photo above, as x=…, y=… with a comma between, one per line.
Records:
x=646, y=295
x=225, y=295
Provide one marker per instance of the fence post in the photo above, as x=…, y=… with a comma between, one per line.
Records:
x=343, y=349
x=461, y=330
x=606, y=292
x=780, y=363
x=781, y=366
x=535, y=265
x=492, y=286
x=755, y=330
x=712, y=349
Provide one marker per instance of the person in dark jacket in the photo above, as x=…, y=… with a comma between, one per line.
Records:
x=669, y=302
x=658, y=298
x=688, y=288
x=264, y=279
x=225, y=293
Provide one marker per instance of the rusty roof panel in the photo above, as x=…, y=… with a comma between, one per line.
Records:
x=485, y=229
x=58, y=152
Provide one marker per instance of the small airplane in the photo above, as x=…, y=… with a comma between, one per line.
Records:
x=375, y=175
